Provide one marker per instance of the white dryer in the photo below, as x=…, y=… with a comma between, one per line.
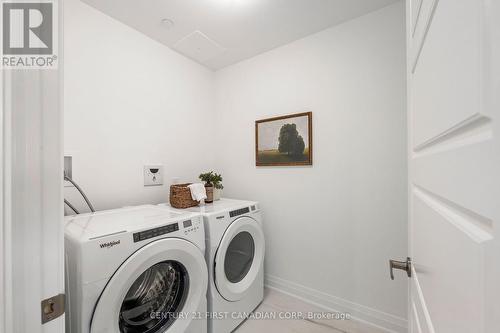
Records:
x=235, y=248
x=137, y=269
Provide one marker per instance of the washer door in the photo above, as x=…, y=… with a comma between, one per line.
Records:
x=239, y=258
x=157, y=289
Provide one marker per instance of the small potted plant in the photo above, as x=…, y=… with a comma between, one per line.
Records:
x=213, y=185
x=218, y=187
x=207, y=177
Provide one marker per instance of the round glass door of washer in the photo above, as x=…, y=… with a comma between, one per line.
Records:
x=156, y=290
x=154, y=300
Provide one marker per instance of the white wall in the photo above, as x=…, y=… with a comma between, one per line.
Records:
x=130, y=101
x=331, y=228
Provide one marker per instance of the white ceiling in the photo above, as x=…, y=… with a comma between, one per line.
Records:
x=218, y=33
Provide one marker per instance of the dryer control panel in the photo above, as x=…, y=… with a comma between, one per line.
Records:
x=238, y=212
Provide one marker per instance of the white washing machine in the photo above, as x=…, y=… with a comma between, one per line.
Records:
x=235, y=248
x=137, y=269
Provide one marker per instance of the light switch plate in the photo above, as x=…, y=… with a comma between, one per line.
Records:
x=153, y=175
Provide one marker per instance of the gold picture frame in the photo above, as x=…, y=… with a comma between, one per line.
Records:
x=284, y=140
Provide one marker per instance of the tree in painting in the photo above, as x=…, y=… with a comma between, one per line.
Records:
x=290, y=142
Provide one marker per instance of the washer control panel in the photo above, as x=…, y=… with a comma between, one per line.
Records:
x=151, y=233
x=192, y=225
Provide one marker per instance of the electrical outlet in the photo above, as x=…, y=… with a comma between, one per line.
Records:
x=153, y=175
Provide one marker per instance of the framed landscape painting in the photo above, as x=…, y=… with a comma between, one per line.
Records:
x=285, y=140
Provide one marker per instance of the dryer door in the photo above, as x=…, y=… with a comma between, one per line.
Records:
x=239, y=258
x=157, y=289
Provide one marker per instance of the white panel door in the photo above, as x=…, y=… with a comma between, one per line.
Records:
x=454, y=178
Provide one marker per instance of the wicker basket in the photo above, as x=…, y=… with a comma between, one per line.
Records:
x=180, y=196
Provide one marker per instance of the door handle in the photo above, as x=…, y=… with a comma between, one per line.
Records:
x=402, y=265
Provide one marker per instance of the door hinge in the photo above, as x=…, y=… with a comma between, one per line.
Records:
x=53, y=308
x=402, y=265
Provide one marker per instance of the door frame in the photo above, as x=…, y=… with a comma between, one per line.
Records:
x=42, y=94
x=5, y=220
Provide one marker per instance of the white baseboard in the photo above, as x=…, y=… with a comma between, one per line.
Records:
x=367, y=315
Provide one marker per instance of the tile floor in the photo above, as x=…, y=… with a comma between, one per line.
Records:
x=280, y=304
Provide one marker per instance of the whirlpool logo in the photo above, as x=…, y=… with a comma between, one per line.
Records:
x=109, y=245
